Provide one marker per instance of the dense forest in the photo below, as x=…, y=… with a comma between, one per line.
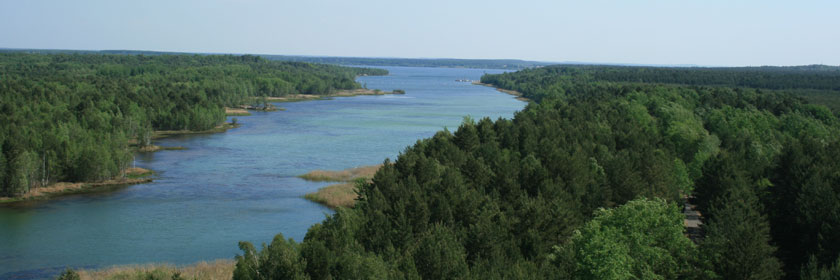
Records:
x=816, y=83
x=71, y=117
x=588, y=181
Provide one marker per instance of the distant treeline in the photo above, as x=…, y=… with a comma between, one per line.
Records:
x=70, y=117
x=415, y=62
x=588, y=183
x=817, y=83
x=514, y=64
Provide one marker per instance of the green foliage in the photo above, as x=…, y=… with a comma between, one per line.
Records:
x=440, y=255
x=492, y=199
x=69, y=274
x=737, y=237
x=642, y=239
x=279, y=260
x=813, y=271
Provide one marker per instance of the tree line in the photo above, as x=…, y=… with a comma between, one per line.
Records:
x=71, y=117
x=586, y=183
x=816, y=83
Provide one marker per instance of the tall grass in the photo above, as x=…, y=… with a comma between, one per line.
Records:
x=334, y=196
x=346, y=175
x=218, y=269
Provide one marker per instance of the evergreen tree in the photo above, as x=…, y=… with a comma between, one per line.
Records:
x=738, y=235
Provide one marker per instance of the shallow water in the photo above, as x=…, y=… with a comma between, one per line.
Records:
x=240, y=185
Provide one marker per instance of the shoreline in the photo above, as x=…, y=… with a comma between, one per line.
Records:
x=59, y=189
x=511, y=92
x=155, y=148
x=245, y=110
x=340, y=93
x=344, y=193
x=158, y=134
x=134, y=175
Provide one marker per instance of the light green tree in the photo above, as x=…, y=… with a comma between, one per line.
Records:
x=642, y=239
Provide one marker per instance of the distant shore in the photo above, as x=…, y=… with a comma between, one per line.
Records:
x=341, y=93
x=134, y=175
x=344, y=193
x=511, y=92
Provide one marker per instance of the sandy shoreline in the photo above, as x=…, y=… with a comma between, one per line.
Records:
x=511, y=92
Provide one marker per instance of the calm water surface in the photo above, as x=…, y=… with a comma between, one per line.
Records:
x=240, y=185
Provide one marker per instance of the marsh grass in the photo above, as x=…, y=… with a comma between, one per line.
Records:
x=334, y=196
x=236, y=112
x=346, y=175
x=218, y=269
x=343, y=194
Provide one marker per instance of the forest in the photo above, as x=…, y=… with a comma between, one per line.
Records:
x=816, y=83
x=72, y=117
x=588, y=182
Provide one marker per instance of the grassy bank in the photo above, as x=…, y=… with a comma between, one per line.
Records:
x=236, y=112
x=134, y=175
x=167, y=133
x=155, y=148
x=218, y=269
x=343, y=194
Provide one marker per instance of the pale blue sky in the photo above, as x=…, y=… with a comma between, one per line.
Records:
x=703, y=32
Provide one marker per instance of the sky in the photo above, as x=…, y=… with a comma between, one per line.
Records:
x=672, y=32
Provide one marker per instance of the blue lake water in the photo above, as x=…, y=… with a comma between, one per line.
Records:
x=242, y=184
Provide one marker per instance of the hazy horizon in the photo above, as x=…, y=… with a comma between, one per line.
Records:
x=711, y=33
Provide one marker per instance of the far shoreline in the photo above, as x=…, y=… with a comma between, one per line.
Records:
x=518, y=95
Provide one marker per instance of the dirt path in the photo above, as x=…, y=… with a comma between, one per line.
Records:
x=692, y=221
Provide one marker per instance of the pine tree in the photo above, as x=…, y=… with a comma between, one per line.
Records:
x=737, y=237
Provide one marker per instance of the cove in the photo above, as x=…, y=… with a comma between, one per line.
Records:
x=241, y=185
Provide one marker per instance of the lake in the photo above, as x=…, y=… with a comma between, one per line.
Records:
x=241, y=184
